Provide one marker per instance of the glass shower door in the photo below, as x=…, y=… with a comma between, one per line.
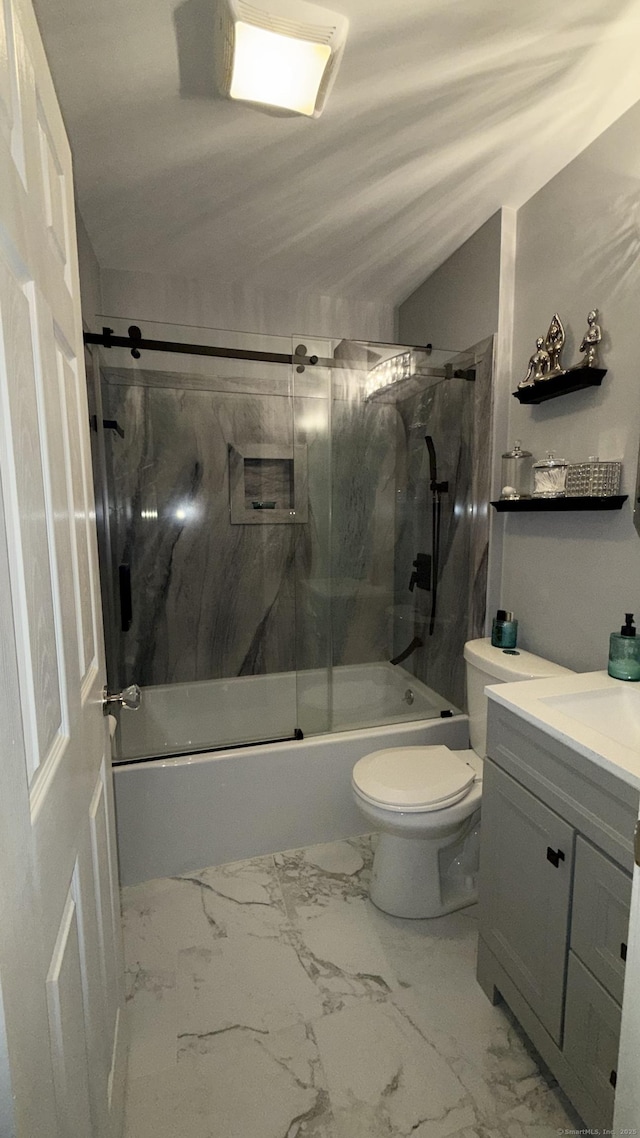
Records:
x=206, y=500
x=391, y=654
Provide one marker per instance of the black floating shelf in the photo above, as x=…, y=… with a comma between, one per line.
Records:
x=557, y=505
x=574, y=379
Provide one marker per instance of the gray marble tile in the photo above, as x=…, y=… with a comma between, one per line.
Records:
x=214, y=599
x=210, y=599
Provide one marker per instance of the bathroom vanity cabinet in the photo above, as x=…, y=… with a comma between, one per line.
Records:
x=555, y=880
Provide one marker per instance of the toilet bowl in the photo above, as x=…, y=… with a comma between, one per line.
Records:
x=425, y=801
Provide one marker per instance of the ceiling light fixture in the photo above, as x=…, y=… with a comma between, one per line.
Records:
x=284, y=54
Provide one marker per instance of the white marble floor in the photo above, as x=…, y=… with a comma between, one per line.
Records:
x=268, y=998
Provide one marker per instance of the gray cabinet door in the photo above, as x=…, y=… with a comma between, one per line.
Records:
x=525, y=884
x=600, y=921
x=592, y=1035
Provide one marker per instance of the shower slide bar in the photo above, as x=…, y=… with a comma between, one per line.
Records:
x=136, y=343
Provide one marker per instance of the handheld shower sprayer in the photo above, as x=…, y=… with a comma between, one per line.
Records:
x=437, y=489
x=435, y=486
x=433, y=466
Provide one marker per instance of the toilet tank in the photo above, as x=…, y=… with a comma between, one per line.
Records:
x=488, y=665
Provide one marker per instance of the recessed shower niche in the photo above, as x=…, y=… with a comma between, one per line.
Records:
x=267, y=484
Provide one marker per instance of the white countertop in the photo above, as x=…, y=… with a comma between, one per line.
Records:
x=595, y=715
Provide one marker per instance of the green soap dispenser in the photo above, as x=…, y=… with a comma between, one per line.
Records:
x=624, y=652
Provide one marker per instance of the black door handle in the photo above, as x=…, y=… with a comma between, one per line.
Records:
x=126, y=605
x=613, y=1078
x=554, y=856
x=623, y=951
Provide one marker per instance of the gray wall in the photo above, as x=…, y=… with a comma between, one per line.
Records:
x=458, y=305
x=90, y=281
x=570, y=577
x=203, y=303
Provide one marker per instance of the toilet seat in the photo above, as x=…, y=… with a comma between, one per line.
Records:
x=412, y=779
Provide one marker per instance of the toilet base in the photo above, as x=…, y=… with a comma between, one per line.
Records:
x=418, y=878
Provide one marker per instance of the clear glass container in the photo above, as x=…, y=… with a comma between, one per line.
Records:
x=550, y=477
x=593, y=479
x=517, y=473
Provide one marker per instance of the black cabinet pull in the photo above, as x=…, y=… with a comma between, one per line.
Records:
x=126, y=607
x=554, y=856
x=613, y=1078
x=623, y=951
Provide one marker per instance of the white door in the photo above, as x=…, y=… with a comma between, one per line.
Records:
x=627, y=1108
x=61, y=992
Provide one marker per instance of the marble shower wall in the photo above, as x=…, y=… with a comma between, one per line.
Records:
x=212, y=599
x=457, y=415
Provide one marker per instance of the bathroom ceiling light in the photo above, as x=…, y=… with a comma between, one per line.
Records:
x=284, y=54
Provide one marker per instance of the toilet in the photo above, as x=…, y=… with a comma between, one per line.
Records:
x=425, y=801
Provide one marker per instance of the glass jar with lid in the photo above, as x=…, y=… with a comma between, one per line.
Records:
x=550, y=477
x=517, y=473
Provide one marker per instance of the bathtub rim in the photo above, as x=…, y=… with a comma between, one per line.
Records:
x=248, y=749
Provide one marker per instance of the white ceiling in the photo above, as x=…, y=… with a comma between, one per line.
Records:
x=443, y=111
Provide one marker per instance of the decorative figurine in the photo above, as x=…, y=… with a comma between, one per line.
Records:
x=539, y=365
x=590, y=341
x=554, y=343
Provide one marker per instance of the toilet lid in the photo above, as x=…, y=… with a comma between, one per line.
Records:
x=413, y=778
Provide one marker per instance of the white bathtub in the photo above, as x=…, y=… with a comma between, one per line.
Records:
x=177, y=718
x=178, y=814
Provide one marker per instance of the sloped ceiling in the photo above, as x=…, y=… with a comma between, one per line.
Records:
x=443, y=111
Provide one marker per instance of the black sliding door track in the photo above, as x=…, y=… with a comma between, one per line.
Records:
x=136, y=343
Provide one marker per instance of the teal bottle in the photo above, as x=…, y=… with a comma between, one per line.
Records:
x=624, y=652
x=504, y=630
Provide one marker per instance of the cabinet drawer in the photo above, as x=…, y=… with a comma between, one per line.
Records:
x=592, y=1036
x=601, y=900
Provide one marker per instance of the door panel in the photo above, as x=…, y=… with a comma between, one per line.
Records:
x=30, y=519
x=71, y=400
x=524, y=896
x=60, y=949
x=68, y=1044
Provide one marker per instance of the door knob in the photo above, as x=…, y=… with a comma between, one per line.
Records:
x=130, y=697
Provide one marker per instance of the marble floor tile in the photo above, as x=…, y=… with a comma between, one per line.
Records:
x=168, y=1104
x=153, y=1022
x=385, y=1078
x=159, y=918
x=243, y=984
x=270, y=1084
x=487, y=1051
x=243, y=898
x=311, y=877
x=270, y=999
x=339, y=949
x=441, y=951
